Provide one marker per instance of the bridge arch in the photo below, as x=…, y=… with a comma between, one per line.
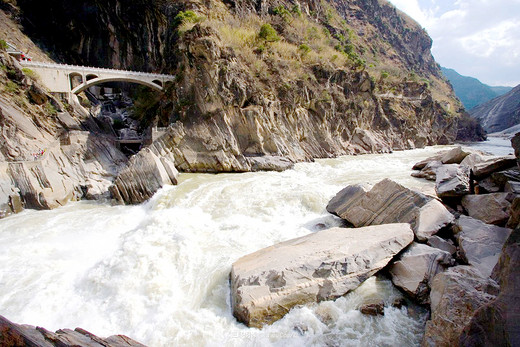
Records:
x=99, y=80
x=91, y=77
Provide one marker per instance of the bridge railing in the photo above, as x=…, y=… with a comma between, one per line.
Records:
x=78, y=68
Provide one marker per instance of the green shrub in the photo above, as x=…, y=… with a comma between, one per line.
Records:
x=3, y=45
x=304, y=49
x=29, y=73
x=282, y=12
x=11, y=87
x=384, y=74
x=268, y=33
x=186, y=17
x=296, y=9
x=50, y=109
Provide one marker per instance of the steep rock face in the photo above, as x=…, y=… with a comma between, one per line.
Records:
x=500, y=113
x=266, y=284
x=238, y=96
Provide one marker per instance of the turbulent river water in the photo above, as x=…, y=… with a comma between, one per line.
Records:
x=158, y=272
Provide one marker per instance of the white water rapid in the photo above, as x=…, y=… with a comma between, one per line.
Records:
x=158, y=272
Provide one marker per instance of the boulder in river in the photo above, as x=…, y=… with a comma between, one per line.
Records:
x=452, y=180
x=480, y=243
x=145, y=174
x=489, y=208
x=455, y=295
x=390, y=202
x=324, y=265
x=417, y=267
x=429, y=172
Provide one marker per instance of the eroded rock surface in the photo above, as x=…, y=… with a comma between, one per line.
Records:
x=12, y=334
x=498, y=322
x=390, y=202
x=324, y=265
x=480, y=244
x=417, y=267
x=455, y=296
x=489, y=208
x=452, y=180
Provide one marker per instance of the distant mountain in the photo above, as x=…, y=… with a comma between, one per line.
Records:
x=500, y=113
x=470, y=90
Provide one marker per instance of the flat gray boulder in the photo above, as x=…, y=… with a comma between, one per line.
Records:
x=480, y=244
x=495, y=164
x=440, y=243
x=429, y=172
x=490, y=208
x=417, y=267
x=454, y=297
x=347, y=198
x=324, y=265
x=452, y=180
x=389, y=202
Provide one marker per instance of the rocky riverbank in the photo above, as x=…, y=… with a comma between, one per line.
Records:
x=462, y=262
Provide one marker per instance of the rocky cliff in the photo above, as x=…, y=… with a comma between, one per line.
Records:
x=259, y=85
x=336, y=77
x=500, y=113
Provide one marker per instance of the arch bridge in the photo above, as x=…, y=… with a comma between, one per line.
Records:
x=63, y=78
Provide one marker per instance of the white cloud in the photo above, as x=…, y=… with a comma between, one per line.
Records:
x=478, y=38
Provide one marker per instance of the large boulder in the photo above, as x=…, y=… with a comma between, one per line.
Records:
x=12, y=334
x=454, y=297
x=389, y=202
x=324, y=265
x=145, y=174
x=453, y=156
x=452, y=180
x=417, y=267
x=490, y=208
x=480, y=243
x=495, y=164
x=498, y=322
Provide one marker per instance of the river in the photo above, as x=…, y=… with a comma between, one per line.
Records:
x=158, y=272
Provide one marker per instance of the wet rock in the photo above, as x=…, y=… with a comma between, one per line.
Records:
x=480, y=243
x=324, y=265
x=440, y=243
x=487, y=167
x=497, y=323
x=145, y=174
x=347, y=198
x=373, y=309
x=455, y=295
x=452, y=181
x=270, y=163
x=12, y=334
x=417, y=267
x=390, y=202
x=429, y=172
x=489, y=208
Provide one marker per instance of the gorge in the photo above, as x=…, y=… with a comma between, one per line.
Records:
x=266, y=110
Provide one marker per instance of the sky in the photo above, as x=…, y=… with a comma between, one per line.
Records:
x=477, y=38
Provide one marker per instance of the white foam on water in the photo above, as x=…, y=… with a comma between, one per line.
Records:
x=159, y=272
